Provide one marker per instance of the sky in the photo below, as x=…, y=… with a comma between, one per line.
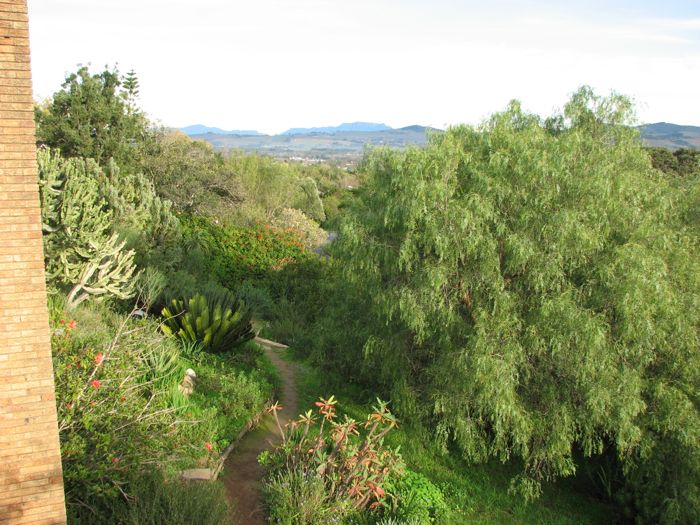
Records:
x=270, y=65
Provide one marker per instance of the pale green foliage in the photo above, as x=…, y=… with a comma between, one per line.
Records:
x=81, y=252
x=270, y=185
x=291, y=218
x=107, y=270
x=141, y=217
x=310, y=200
x=540, y=292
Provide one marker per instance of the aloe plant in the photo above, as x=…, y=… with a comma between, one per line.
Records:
x=218, y=321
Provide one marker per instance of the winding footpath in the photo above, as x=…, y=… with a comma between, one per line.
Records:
x=242, y=473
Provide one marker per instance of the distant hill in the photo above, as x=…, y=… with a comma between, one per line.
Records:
x=344, y=144
x=671, y=136
x=352, y=127
x=199, y=129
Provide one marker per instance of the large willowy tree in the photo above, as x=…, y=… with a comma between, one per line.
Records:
x=539, y=286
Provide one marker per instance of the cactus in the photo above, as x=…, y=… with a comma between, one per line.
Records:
x=81, y=252
x=220, y=322
x=109, y=270
x=143, y=218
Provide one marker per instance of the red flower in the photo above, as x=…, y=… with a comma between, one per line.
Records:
x=62, y=321
x=208, y=446
x=99, y=357
x=72, y=324
x=122, y=398
x=115, y=460
x=96, y=383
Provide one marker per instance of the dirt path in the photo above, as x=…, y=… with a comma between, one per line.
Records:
x=242, y=473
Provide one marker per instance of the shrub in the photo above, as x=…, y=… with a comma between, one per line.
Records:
x=415, y=498
x=351, y=464
x=114, y=406
x=235, y=254
x=220, y=321
x=295, y=497
x=294, y=220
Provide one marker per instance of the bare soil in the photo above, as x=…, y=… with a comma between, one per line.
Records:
x=242, y=473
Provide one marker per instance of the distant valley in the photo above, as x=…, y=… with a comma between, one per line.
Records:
x=345, y=144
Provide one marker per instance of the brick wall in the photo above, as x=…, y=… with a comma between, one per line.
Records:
x=31, y=484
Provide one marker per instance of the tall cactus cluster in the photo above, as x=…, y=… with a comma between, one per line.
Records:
x=91, y=220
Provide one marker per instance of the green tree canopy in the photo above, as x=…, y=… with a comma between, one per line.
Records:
x=539, y=290
x=93, y=116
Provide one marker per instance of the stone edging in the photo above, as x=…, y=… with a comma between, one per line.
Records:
x=206, y=474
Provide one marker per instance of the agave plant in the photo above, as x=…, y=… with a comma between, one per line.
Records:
x=217, y=321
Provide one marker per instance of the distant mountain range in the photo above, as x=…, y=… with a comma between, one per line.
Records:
x=671, y=136
x=362, y=127
x=346, y=143
x=199, y=129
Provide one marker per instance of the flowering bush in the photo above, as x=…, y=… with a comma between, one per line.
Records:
x=112, y=421
x=347, y=456
x=235, y=254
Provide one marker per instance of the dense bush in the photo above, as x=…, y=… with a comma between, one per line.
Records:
x=114, y=385
x=192, y=176
x=415, y=498
x=236, y=254
x=295, y=220
x=537, y=291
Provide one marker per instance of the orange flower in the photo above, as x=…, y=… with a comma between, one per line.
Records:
x=96, y=383
x=99, y=357
x=72, y=324
x=208, y=446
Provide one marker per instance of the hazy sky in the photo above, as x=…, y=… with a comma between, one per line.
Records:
x=274, y=64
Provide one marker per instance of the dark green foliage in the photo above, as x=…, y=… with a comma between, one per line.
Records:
x=194, y=178
x=683, y=162
x=235, y=254
x=220, y=322
x=90, y=117
x=415, y=497
x=536, y=292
